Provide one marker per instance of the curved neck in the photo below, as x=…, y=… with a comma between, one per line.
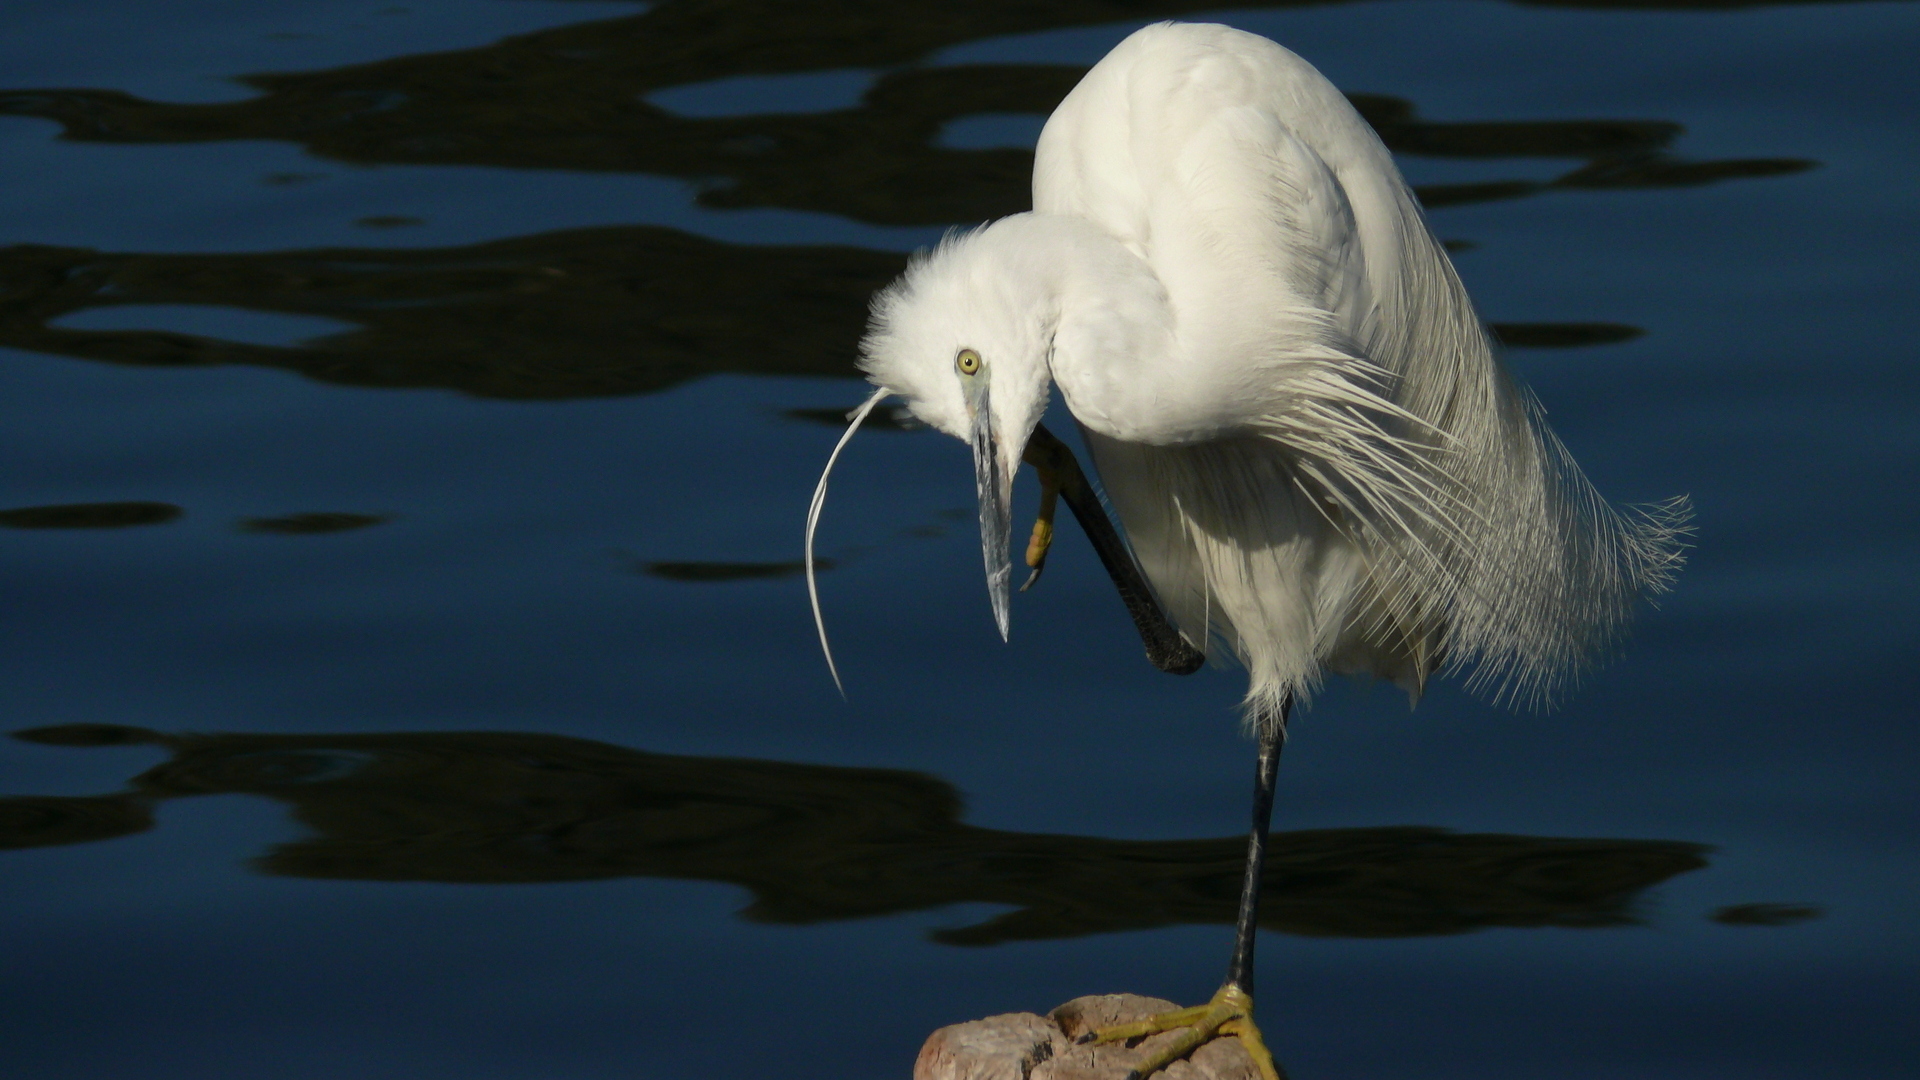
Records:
x=1115, y=354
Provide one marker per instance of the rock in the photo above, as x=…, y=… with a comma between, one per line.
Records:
x=1023, y=1046
x=1006, y=1047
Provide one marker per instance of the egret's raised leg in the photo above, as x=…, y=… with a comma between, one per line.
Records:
x=1060, y=471
x=1230, y=1013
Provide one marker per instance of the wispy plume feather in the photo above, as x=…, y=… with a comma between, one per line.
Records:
x=813, y=522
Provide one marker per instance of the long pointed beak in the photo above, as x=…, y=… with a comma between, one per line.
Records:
x=995, y=484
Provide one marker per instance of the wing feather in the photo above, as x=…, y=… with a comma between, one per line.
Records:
x=1396, y=486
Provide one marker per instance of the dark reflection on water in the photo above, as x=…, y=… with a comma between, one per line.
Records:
x=572, y=98
x=111, y=515
x=731, y=571
x=580, y=313
x=1766, y=914
x=815, y=843
x=622, y=310
x=1562, y=335
x=312, y=524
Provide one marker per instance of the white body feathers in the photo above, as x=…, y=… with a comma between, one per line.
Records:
x=1291, y=403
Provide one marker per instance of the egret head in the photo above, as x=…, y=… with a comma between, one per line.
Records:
x=963, y=337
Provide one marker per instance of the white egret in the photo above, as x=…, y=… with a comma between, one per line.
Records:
x=1317, y=458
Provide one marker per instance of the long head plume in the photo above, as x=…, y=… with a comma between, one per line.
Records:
x=813, y=523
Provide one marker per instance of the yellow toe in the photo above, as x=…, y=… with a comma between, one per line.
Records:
x=1229, y=1014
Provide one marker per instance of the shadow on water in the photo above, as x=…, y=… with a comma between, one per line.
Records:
x=580, y=313
x=815, y=843
x=731, y=571
x=634, y=309
x=112, y=515
x=575, y=98
x=311, y=523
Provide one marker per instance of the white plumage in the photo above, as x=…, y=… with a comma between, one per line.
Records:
x=1294, y=409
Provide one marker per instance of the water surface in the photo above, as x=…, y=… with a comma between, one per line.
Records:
x=409, y=413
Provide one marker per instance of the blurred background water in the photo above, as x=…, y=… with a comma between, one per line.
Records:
x=408, y=411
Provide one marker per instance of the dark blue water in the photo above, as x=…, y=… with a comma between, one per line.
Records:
x=405, y=453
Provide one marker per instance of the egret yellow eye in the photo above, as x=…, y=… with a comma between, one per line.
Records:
x=968, y=362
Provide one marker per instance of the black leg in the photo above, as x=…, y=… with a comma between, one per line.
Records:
x=1273, y=737
x=1165, y=647
x=1230, y=1012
